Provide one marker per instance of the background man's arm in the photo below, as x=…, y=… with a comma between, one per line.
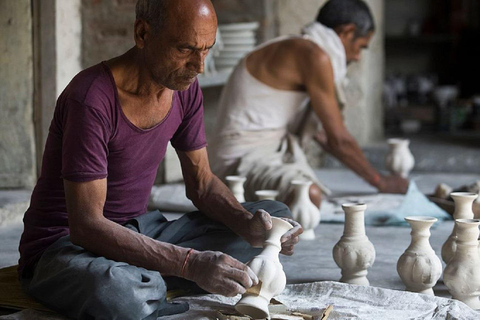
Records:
x=215, y=200
x=337, y=140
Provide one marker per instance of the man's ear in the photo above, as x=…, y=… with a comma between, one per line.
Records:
x=141, y=31
x=346, y=31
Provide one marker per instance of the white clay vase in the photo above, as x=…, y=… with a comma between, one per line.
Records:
x=463, y=210
x=235, y=183
x=354, y=253
x=303, y=210
x=266, y=194
x=461, y=274
x=399, y=159
x=269, y=270
x=419, y=267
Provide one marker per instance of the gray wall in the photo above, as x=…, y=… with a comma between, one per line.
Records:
x=17, y=164
x=364, y=112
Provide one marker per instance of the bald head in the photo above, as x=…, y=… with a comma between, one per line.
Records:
x=173, y=38
x=160, y=12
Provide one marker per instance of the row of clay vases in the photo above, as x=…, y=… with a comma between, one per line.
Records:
x=399, y=159
x=303, y=210
x=235, y=184
x=461, y=252
x=354, y=253
x=269, y=270
x=420, y=268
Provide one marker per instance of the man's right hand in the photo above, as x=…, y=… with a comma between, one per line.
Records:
x=219, y=273
x=393, y=184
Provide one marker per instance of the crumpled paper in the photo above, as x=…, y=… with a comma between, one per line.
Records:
x=348, y=301
x=367, y=302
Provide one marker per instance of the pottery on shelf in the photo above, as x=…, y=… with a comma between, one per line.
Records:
x=235, y=183
x=463, y=210
x=354, y=253
x=399, y=159
x=461, y=274
x=419, y=267
x=303, y=210
x=266, y=194
x=269, y=270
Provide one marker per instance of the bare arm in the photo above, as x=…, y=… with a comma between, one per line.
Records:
x=92, y=231
x=212, y=271
x=214, y=199
x=337, y=140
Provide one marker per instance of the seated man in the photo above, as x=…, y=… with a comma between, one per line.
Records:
x=261, y=105
x=89, y=249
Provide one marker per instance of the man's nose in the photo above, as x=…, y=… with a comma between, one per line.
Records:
x=197, y=61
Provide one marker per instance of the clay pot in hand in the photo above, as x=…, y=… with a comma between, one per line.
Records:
x=269, y=271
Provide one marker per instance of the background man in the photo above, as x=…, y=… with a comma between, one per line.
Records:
x=89, y=249
x=261, y=105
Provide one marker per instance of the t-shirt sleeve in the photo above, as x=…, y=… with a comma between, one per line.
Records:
x=190, y=135
x=86, y=133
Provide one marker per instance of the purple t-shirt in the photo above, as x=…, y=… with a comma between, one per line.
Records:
x=90, y=138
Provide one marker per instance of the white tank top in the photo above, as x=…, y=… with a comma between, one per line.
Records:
x=247, y=104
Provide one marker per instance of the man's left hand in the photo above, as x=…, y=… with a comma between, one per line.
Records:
x=290, y=238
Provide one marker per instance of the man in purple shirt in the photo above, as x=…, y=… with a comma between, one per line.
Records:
x=89, y=249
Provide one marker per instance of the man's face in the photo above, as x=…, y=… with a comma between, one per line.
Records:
x=354, y=47
x=175, y=55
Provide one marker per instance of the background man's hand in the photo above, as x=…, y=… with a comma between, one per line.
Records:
x=219, y=273
x=393, y=184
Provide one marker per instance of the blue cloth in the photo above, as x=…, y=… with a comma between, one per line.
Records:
x=415, y=203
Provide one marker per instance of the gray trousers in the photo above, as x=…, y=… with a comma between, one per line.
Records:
x=81, y=285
